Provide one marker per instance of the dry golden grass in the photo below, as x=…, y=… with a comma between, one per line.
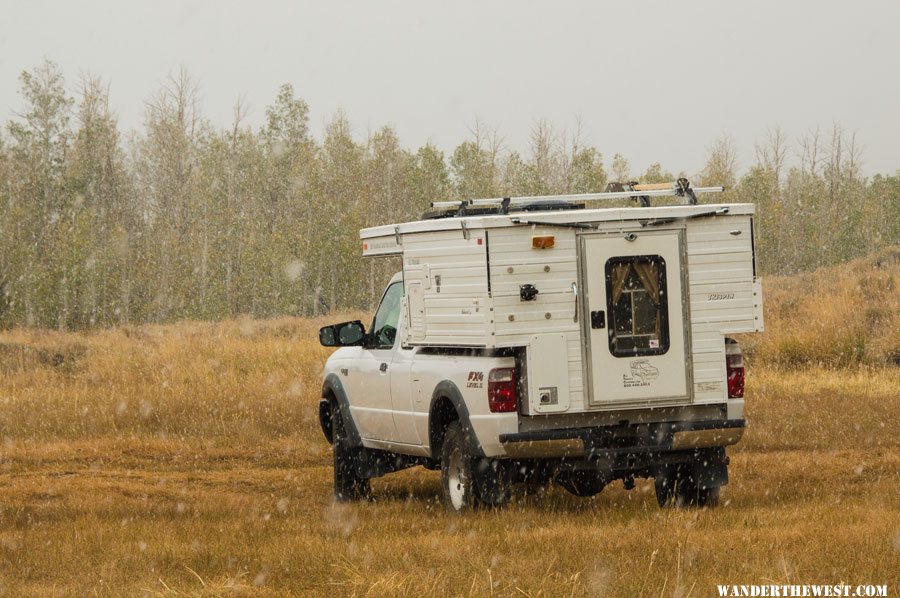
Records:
x=187, y=460
x=243, y=380
x=841, y=316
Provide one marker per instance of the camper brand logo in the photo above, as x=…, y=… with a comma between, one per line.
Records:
x=476, y=380
x=720, y=296
x=373, y=245
x=641, y=374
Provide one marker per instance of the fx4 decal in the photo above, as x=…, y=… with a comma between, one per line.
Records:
x=476, y=380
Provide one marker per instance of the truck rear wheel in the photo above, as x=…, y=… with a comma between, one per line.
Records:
x=348, y=486
x=679, y=487
x=457, y=471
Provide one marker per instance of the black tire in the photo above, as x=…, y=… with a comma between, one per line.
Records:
x=665, y=488
x=347, y=485
x=582, y=483
x=457, y=471
x=705, y=496
x=679, y=487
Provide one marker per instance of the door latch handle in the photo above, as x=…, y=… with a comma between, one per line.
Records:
x=598, y=319
x=575, y=293
x=383, y=367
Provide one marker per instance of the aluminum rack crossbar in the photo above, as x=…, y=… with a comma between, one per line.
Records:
x=577, y=197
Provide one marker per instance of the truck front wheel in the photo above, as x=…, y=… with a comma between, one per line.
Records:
x=348, y=486
x=457, y=471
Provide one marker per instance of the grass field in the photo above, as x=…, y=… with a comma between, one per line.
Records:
x=187, y=460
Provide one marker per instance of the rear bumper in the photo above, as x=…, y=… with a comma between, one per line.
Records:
x=622, y=441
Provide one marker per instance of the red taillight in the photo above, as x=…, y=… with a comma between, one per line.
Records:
x=734, y=366
x=502, y=396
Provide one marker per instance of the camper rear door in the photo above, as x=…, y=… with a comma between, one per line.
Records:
x=634, y=317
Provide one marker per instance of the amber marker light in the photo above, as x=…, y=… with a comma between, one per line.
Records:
x=543, y=242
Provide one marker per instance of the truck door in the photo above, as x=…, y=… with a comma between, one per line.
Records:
x=404, y=387
x=370, y=378
x=634, y=317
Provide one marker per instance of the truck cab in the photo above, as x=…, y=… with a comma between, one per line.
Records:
x=392, y=392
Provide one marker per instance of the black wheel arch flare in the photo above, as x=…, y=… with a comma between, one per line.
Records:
x=332, y=387
x=446, y=392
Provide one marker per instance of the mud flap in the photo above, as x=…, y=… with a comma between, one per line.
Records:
x=493, y=478
x=707, y=469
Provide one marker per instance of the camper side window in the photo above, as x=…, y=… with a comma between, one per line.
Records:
x=637, y=305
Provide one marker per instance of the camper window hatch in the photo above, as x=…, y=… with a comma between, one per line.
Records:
x=637, y=305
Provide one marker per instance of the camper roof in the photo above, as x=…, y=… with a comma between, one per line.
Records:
x=386, y=239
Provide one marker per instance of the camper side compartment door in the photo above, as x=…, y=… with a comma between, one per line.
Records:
x=634, y=317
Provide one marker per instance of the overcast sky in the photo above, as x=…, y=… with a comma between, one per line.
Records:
x=653, y=81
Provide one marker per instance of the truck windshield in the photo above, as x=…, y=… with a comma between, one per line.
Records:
x=384, y=327
x=636, y=296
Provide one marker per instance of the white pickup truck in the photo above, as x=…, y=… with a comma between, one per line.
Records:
x=538, y=341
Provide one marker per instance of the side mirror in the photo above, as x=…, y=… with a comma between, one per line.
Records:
x=345, y=334
x=327, y=337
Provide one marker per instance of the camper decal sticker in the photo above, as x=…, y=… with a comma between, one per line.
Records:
x=641, y=374
x=708, y=386
x=720, y=297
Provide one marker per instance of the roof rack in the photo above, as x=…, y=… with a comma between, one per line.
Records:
x=643, y=193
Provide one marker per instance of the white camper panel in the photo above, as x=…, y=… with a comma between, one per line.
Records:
x=552, y=314
x=724, y=296
x=450, y=305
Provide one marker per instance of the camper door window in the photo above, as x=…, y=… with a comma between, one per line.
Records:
x=637, y=305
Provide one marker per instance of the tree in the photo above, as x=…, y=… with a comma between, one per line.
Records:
x=474, y=164
x=621, y=169
x=232, y=178
x=290, y=206
x=389, y=198
x=166, y=169
x=587, y=174
x=430, y=177
x=656, y=174
x=287, y=121
x=8, y=221
x=721, y=164
x=770, y=156
x=39, y=203
x=338, y=267
x=106, y=235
